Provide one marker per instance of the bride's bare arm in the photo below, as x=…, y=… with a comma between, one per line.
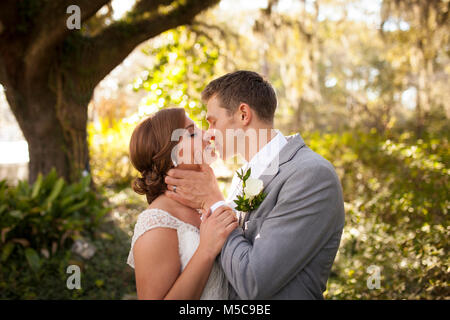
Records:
x=157, y=262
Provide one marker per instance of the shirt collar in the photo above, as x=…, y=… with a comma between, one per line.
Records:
x=264, y=157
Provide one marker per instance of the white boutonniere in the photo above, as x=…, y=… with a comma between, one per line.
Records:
x=252, y=192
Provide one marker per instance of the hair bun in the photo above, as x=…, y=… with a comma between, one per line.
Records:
x=151, y=184
x=152, y=178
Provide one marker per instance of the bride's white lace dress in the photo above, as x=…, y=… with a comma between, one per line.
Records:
x=188, y=240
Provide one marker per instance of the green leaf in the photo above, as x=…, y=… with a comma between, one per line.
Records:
x=55, y=192
x=37, y=186
x=16, y=214
x=3, y=207
x=7, y=249
x=33, y=259
x=247, y=174
x=77, y=206
x=99, y=283
x=85, y=182
x=66, y=201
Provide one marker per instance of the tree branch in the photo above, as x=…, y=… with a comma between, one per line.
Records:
x=49, y=34
x=112, y=46
x=149, y=5
x=8, y=13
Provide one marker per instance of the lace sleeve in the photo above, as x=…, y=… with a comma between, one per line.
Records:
x=148, y=220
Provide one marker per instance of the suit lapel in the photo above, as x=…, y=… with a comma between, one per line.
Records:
x=295, y=142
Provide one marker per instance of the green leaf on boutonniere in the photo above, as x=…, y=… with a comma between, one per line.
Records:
x=243, y=202
x=247, y=174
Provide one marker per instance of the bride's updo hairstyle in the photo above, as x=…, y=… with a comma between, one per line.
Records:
x=151, y=148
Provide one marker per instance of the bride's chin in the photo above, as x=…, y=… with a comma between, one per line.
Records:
x=209, y=155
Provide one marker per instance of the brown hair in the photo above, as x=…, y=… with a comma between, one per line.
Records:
x=247, y=87
x=151, y=148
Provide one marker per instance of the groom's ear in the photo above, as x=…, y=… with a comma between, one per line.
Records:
x=245, y=113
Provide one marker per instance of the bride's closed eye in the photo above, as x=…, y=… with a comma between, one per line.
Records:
x=193, y=132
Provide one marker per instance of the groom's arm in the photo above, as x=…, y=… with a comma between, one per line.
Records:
x=301, y=222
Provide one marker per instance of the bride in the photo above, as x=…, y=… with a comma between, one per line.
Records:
x=173, y=249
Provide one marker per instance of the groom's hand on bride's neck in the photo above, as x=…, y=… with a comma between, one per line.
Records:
x=187, y=166
x=196, y=186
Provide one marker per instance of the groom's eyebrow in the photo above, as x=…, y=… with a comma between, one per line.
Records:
x=191, y=125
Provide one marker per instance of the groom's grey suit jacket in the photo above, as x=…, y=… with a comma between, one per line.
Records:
x=289, y=243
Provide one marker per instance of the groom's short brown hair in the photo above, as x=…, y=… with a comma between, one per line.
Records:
x=247, y=87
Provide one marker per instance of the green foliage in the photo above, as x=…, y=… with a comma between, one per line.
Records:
x=37, y=221
x=104, y=276
x=108, y=150
x=396, y=199
x=183, y=63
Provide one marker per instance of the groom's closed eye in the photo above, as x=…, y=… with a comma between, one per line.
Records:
x=191, y=129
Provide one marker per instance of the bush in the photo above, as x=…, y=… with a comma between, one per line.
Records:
x=104, y=276
x=108, y=151
x=396, y=199
x=41, y=220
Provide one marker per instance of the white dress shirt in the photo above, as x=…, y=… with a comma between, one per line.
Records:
x=259, y=162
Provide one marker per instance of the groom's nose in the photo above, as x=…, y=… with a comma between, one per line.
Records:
x=209, y=135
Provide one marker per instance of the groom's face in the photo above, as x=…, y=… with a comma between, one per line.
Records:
x=221, y=124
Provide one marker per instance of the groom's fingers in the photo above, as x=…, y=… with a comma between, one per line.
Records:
x=180, y=173
x=173, y=181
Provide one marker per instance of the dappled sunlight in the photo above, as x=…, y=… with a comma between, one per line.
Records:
x=365, y=83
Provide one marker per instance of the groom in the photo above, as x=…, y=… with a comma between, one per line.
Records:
x=285, y=248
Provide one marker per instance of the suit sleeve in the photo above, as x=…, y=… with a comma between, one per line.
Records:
x=301, y=222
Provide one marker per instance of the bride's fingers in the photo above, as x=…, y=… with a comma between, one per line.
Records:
x=229, y=214
x=231, y=226
x=220, y=210
x=206, y=215
x=229, y=219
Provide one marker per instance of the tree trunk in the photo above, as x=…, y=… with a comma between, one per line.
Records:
x=62, y=146
x=49, y=72
x=55, y=129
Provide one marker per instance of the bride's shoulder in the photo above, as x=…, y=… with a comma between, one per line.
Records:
x=157, y=217
x=150, y=219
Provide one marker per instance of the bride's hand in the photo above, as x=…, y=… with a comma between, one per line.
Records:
x=215, y=228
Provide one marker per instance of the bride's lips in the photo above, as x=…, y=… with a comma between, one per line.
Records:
x=210, y=147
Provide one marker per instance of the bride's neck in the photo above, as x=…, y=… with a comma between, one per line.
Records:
x=177, y=209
